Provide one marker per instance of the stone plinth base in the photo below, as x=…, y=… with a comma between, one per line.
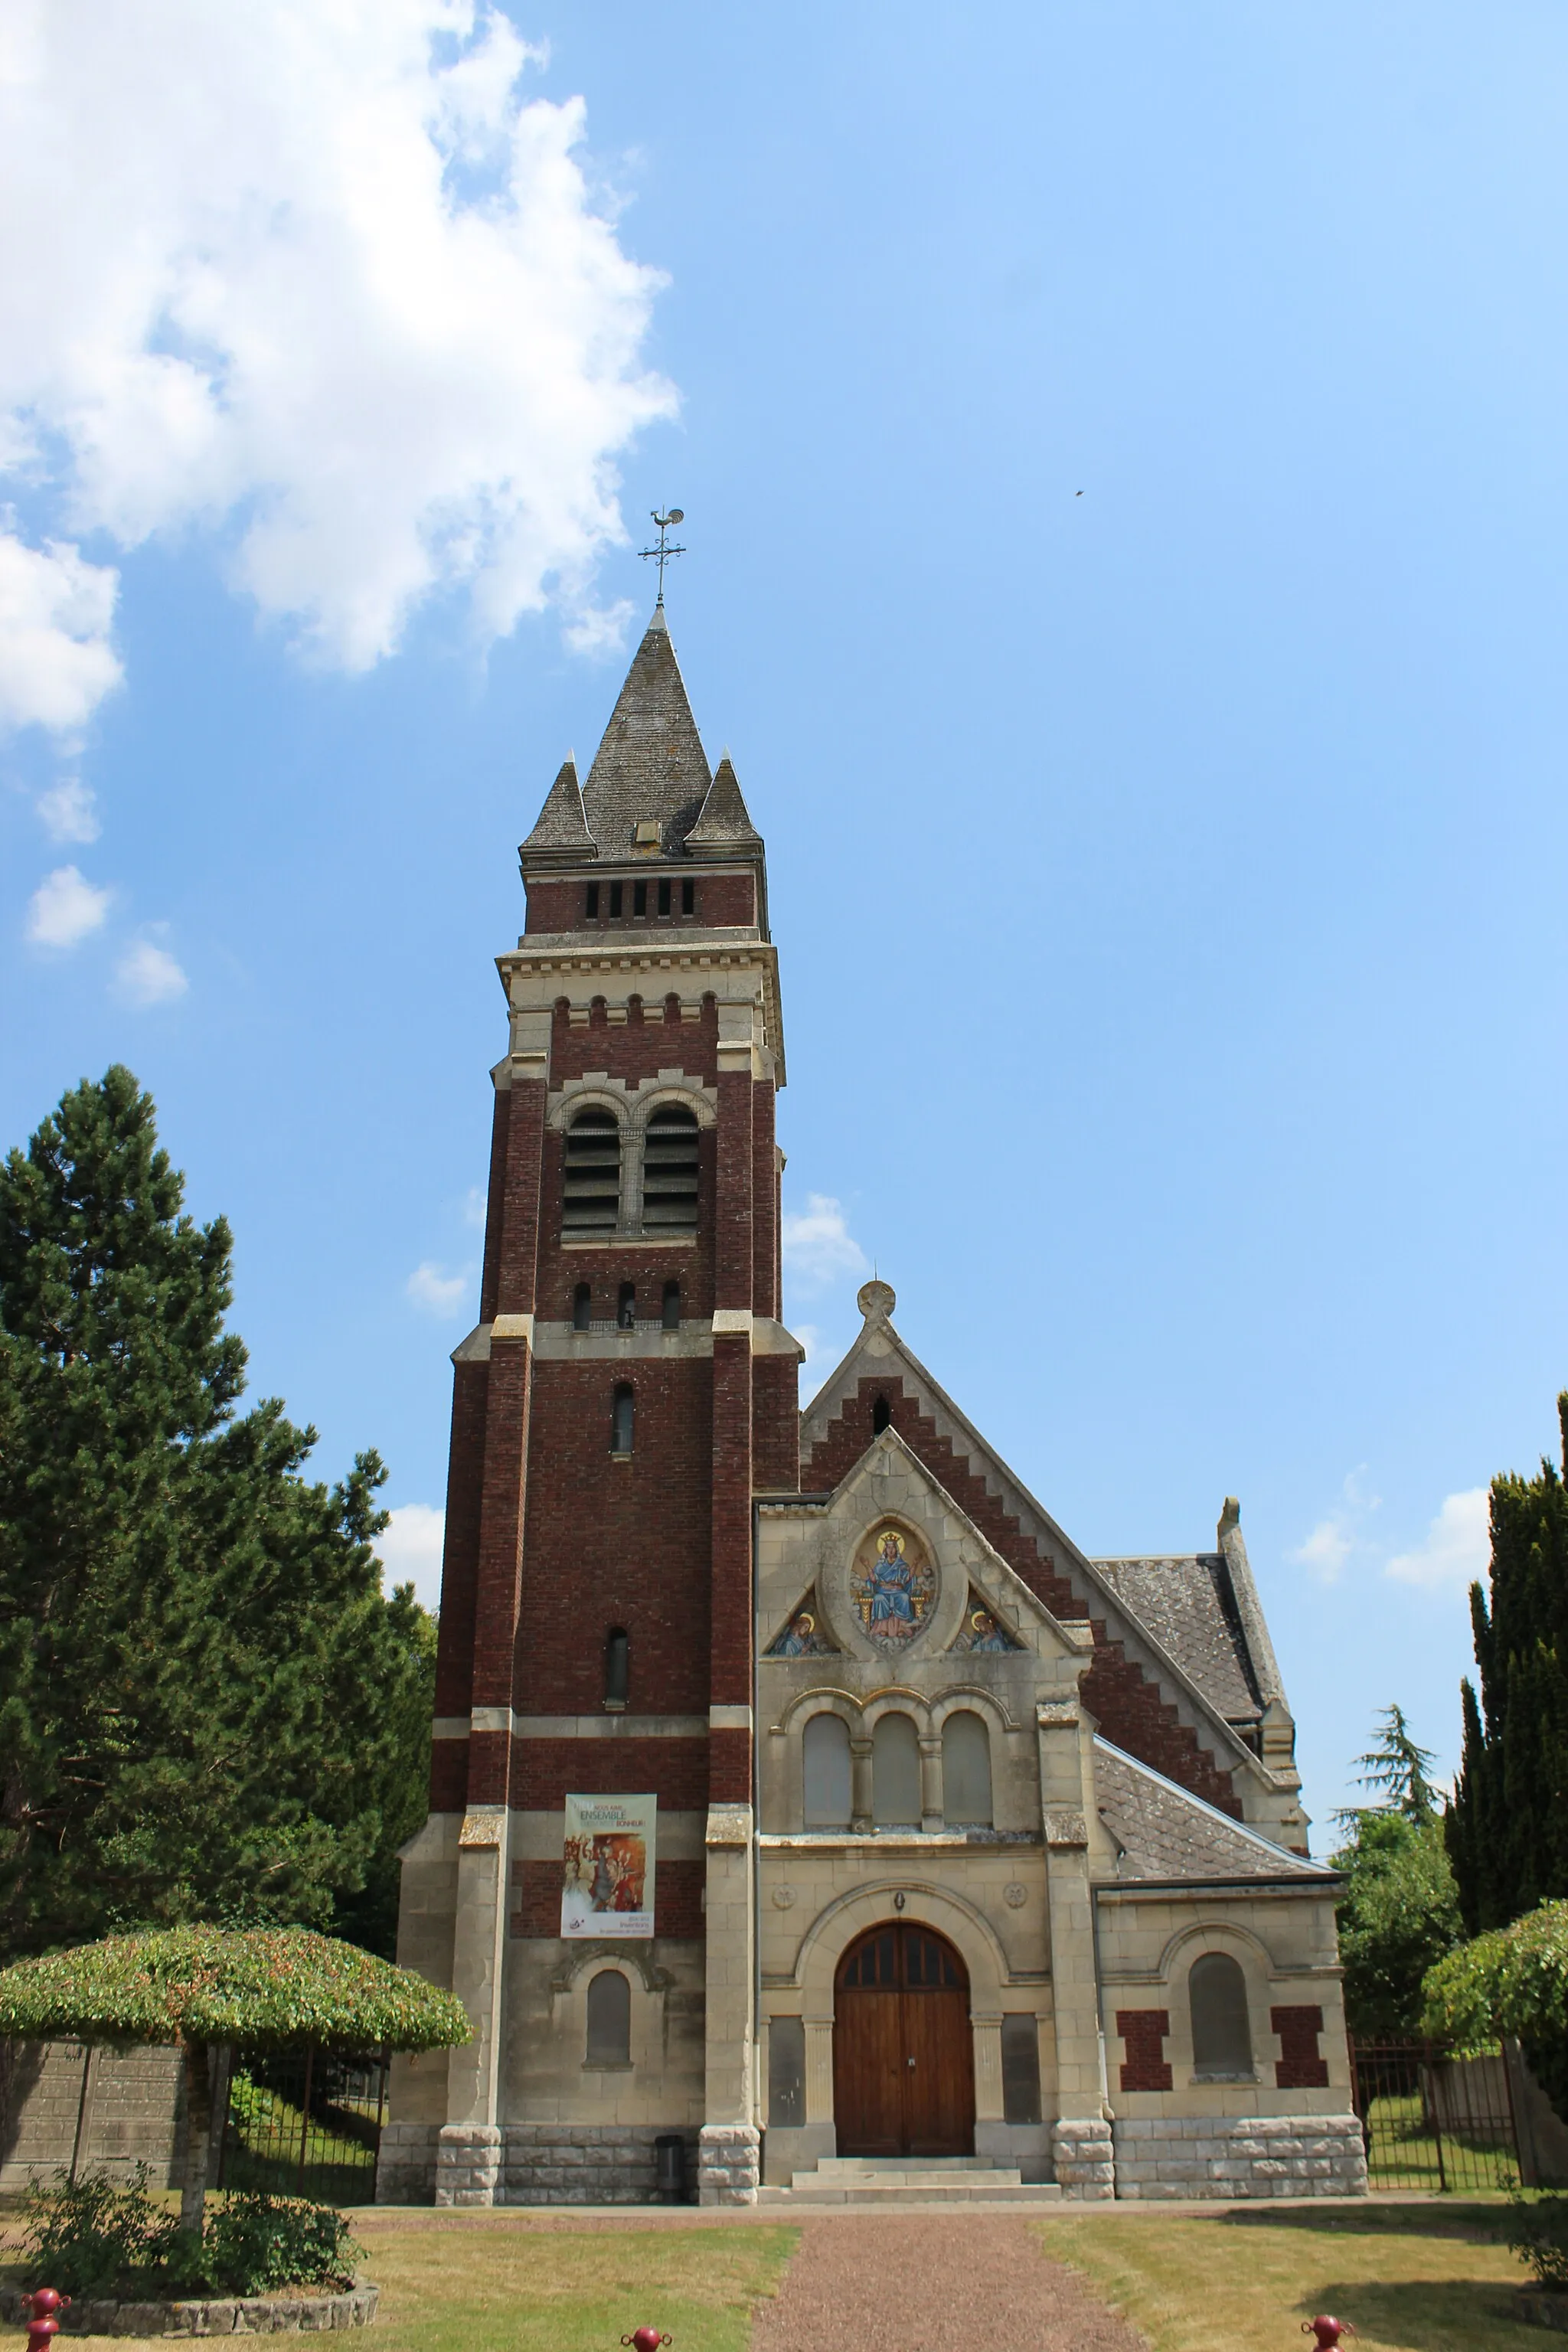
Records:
x=1082, y=2157
x=584, y=2164
x=467, y=2164
x=1240, y=2156
x=727, y=2164
x=250, y=2315
x=405, y=2167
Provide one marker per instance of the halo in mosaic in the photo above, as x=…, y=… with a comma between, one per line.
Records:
x=804, y=1635
x=982, y=1629
x=892, y=1584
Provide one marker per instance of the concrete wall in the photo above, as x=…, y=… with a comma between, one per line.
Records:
x=133, y=2113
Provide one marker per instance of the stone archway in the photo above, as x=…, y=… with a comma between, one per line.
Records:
x=903, y=2055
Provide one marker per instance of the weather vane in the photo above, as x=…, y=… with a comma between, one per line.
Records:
x=663, y=552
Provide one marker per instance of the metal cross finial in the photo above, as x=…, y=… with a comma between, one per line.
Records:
x=663, y=552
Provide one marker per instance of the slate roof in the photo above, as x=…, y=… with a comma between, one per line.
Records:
x=725, y=824
x=1165, y=1832
x=561, y=830
x=651, y=762
x=1189, y=1604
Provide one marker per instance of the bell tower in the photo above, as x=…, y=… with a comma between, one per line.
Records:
x=626, y=1392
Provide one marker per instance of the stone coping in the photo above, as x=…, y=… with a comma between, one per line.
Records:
x=258, y=2314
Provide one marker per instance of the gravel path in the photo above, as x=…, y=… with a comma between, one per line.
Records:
x=899, y=2283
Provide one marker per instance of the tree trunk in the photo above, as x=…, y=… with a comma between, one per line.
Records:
x=198, y=2136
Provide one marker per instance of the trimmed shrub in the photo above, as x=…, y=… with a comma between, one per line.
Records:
x=1537, y=2233
x=90, y=2238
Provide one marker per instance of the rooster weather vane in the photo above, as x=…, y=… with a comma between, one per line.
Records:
x=664, y=553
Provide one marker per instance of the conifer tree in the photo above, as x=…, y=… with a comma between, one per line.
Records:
x=1508, y=1826
x=204, y=1699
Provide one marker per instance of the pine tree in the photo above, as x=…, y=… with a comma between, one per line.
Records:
x=1508, y=1825
x=1398, y=1769
x=204, y=1699
x=1400, y=1908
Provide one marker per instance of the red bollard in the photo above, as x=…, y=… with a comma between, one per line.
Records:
x=645, y=2339
x=43, y=2304
x=1327, y=2331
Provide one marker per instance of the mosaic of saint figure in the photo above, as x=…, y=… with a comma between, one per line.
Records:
x=983, y=1630
x=802, y=1637
x=892, y=1588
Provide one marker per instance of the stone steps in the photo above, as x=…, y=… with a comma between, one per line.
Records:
x=911, y=2181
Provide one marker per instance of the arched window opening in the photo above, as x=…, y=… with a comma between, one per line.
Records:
x=967, y=1771
x=609, y=2020
x=672, y=1305
x=670, y=1173
x=825, y=1752
x=621, y=1421
x=1222, y=2036
x=617, y=1668
x=591, y=1186
x=583, y=1307
x=895, y=1773
x=881, y=1416
x=627, y=1306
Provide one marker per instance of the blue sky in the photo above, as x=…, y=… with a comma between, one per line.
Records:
x=1167, y=877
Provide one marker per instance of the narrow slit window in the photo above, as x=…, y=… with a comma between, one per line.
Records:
x=591, y=1187
x=664, y=897
x=609, y=2020
x=614, y=899
x=671, y=1168
x=824, y=1761
x=592, y=902
x=672, y=1305
x=882, y=1415
x=623, y=1421
x=583, y=1307
x=626, y=1307
x=639, y=898
x=688, y=897
x=617, y=1668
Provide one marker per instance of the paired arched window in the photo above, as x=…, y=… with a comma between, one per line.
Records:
x=617, y=1668
x=623, y=1419
x=609, y=2020
x=626, y=1307
x=825, y=1756
x=967, y=1771
x=1222, y=2034
x=895, y=1773
x=669, y=1172
x=591, y=1185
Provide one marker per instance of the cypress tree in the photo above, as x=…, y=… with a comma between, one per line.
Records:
x=205, y=1700
x=1508, y=1826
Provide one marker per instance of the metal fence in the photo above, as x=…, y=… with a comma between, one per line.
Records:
x=304, y=2123
x=1433, y=2121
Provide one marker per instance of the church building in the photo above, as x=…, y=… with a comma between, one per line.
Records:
x=809, y=1817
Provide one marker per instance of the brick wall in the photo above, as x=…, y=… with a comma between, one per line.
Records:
x=1116, y=1690
x=651, y=1038
x=536, y=1899
x=559, y=903
x=1299, y=2066
x=1144, y=2031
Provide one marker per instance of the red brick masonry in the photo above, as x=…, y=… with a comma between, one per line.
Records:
x=1299, y=2066
x=1143, y=2032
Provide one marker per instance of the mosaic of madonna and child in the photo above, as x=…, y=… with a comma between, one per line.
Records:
x=892, y=1584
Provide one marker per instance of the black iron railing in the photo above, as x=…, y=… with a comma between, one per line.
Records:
x=1433, y=2121
x=304, y=2123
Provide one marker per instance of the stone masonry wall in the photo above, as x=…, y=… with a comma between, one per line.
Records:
x=585, y=2164
x=1240, y=2156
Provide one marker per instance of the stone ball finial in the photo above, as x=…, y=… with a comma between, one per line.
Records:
x=877, y=1301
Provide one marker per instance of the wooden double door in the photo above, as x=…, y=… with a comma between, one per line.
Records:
x=903, y=2056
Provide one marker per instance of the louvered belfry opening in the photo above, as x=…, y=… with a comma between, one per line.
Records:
x=591, y=1191
x=670, y=1173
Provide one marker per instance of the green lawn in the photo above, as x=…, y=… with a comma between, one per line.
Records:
x=1412, y=2278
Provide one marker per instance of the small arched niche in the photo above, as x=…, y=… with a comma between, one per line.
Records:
x=1222, y=2031
x=609, y=2007
x=825, y=1771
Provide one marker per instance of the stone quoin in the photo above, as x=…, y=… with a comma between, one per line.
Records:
x=799, y=1789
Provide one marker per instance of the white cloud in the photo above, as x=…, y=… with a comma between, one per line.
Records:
x=315, y=273
x=1457, y=1546
x=69, y=811
x=410, y=1550
x=818, y=1246
x=148, y=974
x=437, y=1292
x=65, y=908
x=56, y=611
x=1340, y=1532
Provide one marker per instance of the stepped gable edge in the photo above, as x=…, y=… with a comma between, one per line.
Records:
x=1117, y=1692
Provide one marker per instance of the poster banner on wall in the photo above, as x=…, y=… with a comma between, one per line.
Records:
x=607, y=1887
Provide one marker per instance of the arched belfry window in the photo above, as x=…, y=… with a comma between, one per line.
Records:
x=1221, y=2033
x=609, y=2020
x=669, y=1182
x=591, y=1185
x=583, y=1307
